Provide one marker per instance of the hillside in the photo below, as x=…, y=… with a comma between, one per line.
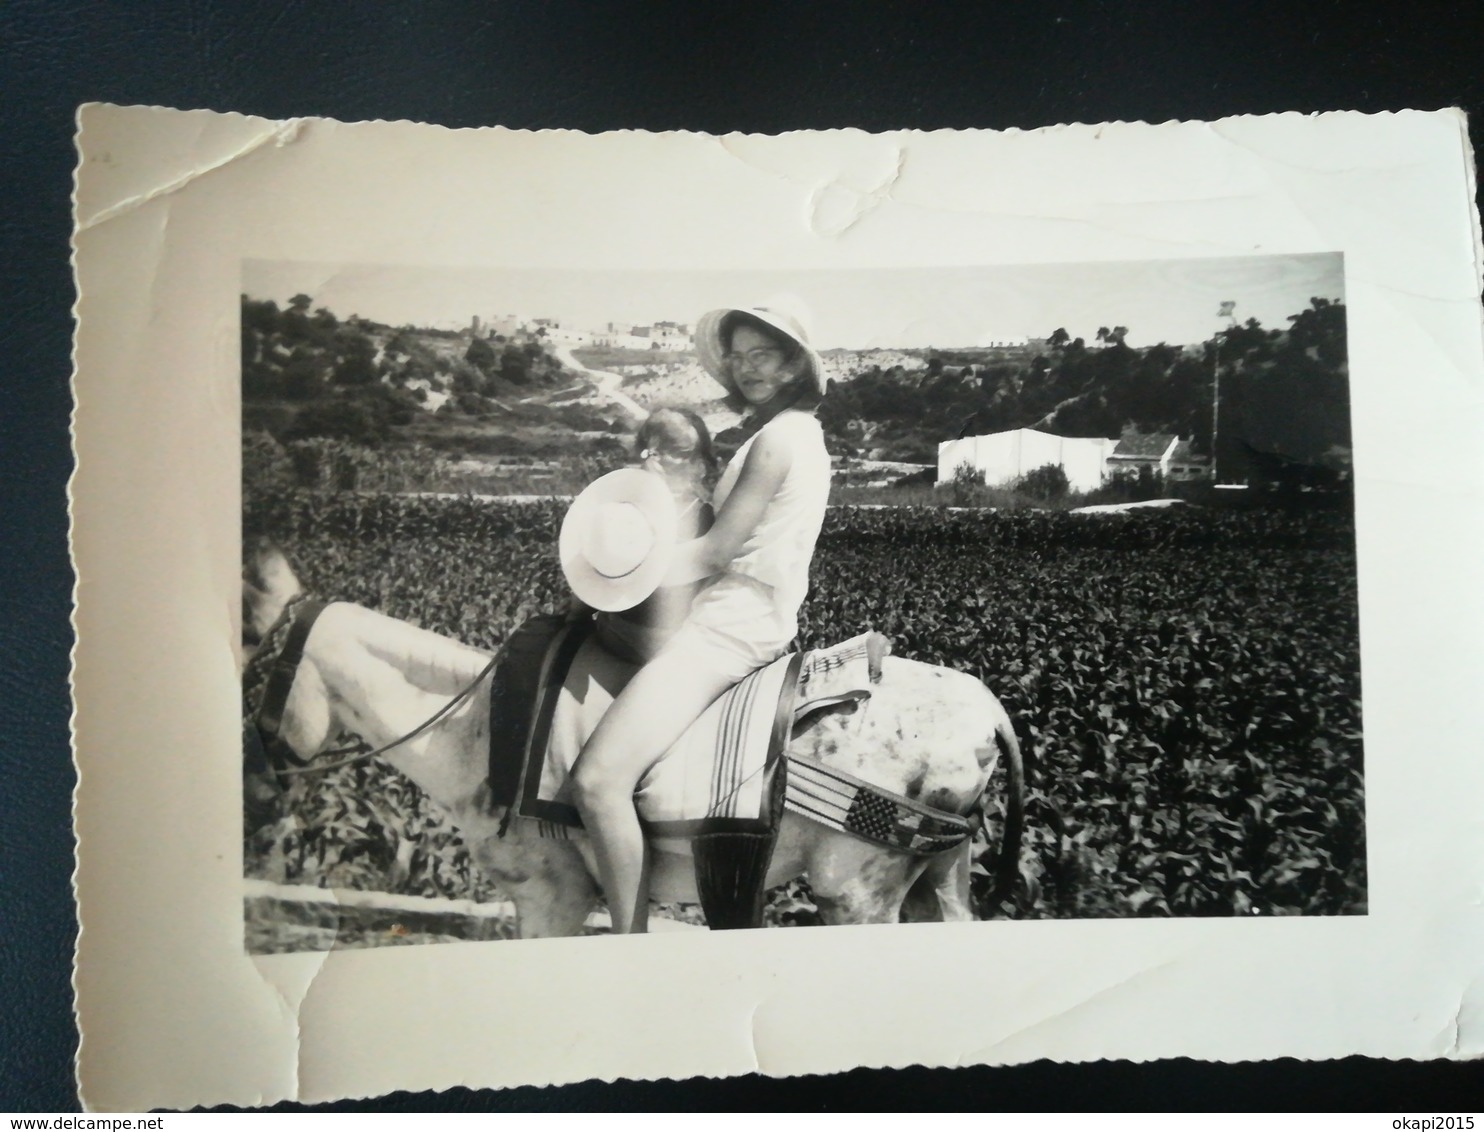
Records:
x=308, y=374
x=1284, y=392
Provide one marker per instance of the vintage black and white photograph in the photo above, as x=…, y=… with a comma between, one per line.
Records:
x=581, y=602
x=529, y=579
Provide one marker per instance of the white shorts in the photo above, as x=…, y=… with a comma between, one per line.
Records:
x=734, y=627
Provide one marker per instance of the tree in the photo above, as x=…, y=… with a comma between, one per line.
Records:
x=294, y=324
x=1320, y=330
x=260, y=316
x=357, y=359
x=303, y=375
x=481, y=355
x=341, y=418
x=1048, y=482
x=465, y=378
x=260, y=382
x=515, y=366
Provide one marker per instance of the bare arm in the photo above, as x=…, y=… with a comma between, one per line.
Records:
x=768, y=461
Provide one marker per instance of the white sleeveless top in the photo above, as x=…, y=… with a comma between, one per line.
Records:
x=778, y=552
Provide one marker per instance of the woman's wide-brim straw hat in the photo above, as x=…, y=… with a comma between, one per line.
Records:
x=711, y=346
x=618, y=539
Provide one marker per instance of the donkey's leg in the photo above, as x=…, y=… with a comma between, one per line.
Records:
x=921, y=904
x=857, y=883
x=552, y=890
x=546, y=906
x=946, y=882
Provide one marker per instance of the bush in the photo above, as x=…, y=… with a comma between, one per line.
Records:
x=361, y=420
x=1048, y=482
x=265, y=462
x=964, y=484
x=925, y=478
x=481, y=355
x=1127, y=485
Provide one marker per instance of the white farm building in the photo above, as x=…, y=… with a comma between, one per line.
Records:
x=1004, y=456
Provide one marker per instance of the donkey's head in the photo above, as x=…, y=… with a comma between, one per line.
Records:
x=304, y=721
x=268, y=582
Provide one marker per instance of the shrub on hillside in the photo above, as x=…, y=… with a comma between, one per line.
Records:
x=265, y=462
x=341, y=418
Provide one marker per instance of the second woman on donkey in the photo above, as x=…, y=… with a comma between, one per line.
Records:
x=753, y=566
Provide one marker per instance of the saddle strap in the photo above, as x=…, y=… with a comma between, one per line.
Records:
x=514, y=691
x=285, y=665
x=872, y=813
x=559, y=655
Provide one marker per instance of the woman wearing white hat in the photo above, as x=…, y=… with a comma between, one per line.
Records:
x=754, y=561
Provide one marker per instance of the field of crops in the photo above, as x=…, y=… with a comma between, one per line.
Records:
x=1186, y=686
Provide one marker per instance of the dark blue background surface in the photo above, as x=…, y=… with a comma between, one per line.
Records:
x=655, y=66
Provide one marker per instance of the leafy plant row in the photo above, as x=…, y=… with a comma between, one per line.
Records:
x=1185, y=685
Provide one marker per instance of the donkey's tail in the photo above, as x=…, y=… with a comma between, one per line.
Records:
x=1007, y=867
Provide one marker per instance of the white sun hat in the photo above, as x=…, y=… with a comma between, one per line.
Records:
x=618, y=539
x=710, y=348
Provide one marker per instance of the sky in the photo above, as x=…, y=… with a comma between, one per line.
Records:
x=1173, y=301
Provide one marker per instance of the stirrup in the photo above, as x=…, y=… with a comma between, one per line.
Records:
x=732, y=867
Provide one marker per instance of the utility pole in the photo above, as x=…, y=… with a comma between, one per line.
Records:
x=1231, y=320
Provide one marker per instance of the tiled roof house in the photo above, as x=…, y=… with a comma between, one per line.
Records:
x=1168, y=455
x=1184, y=464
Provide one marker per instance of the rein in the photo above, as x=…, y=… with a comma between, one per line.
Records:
x=267, y=684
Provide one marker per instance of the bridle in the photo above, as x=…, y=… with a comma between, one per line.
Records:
x=268, y=678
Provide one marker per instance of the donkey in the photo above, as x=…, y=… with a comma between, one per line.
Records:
x=928, y=733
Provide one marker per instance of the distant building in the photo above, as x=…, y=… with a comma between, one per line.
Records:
x=1184, y=464
x=504, y=325
x=1003, y=457
x=650, y=336
x=564, y=335
x=671, y=335
x=1168, y=456
x=1006, y=456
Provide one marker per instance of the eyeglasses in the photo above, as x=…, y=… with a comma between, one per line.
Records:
x=759, y=358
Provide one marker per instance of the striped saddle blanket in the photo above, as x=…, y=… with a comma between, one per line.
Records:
x=713, y=778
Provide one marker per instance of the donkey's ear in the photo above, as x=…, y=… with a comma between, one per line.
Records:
x=257, y=616
x=268, y=569
x=268, y=582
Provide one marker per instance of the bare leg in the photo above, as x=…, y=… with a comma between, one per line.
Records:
x=664, y=698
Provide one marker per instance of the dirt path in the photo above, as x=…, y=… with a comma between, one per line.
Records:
x=606, y=384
